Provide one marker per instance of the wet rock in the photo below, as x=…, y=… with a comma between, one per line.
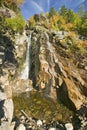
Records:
x=8, y=109
x=5, y=125
x=12, y=126
x=39, y=123
x=6, y=105
x=21, y=127
x=52, y=129
x=2, y=94
x=72, y=93
x=7, y=12
x=21, y=86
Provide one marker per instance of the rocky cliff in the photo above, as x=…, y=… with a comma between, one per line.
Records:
x=11, y=62
x=54, y=70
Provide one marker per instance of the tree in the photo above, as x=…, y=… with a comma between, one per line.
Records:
x=63, y=11
x=37, y=17
x=16, y=24
x=12, y=4
x=32, y=22
x=81, y=11
x=52, y=12
x=17, y=2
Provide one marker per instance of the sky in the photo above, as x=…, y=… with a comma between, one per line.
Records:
x=31, y=7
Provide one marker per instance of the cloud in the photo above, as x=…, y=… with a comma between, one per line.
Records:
x=37, y=6
x=68, y=3
x=48, y=2
x=31, y=7
x=75, y=3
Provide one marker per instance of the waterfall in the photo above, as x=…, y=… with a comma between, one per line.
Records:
x=50, y=48
x=48, y=43
x=25, y=71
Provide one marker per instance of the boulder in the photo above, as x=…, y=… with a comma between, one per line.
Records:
x=21, y=127
x=39, y=123
x=6, y=105
x=5, y=125
x=52, y=129
x=69, y=126
x=8, y=109
x=21, y=85
x=71, y=94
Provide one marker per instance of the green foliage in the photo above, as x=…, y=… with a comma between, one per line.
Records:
x=66, y=20
x=81, y=11
x=32, y=22
x=82, y=25
x=78, y=20
x=70, y=16
x=83, y=28
x=52, y=12
x=41, y=107
x=1, y=2
x=16, y=24
x=63, y=11
x=11, y=4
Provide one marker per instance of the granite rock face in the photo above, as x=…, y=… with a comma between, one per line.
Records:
x=6, y=108
x=52, y=71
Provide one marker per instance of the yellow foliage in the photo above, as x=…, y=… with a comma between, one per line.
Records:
x=69, y=26
x=14, y=1
x=47, y=25
x=47, y=14
x=72, y=35
x=54, y=21
x=31, y=22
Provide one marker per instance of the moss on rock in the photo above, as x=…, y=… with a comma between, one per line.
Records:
x=36, y=105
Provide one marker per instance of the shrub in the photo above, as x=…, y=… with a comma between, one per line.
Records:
x=32, y=22
x=16, y=24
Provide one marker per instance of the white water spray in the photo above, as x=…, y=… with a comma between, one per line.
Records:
x=25, y=72
x=51, y=49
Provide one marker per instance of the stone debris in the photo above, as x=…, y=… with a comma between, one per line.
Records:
x=69, y=126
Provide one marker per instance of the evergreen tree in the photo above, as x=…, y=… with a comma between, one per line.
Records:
x=52, y=12
x=81, y=11
x=63, y=11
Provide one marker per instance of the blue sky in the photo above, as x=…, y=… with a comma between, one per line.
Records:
x=31, y=7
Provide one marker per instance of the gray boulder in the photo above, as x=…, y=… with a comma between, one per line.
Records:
x=21, y=127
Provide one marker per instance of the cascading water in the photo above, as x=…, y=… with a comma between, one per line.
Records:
x=53, y=59
x=50, y=48
x=25, y=72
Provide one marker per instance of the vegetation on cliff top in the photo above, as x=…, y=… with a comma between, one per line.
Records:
x=10, y=16
x=16, y=24
x=12, y=4
x=65, y=20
